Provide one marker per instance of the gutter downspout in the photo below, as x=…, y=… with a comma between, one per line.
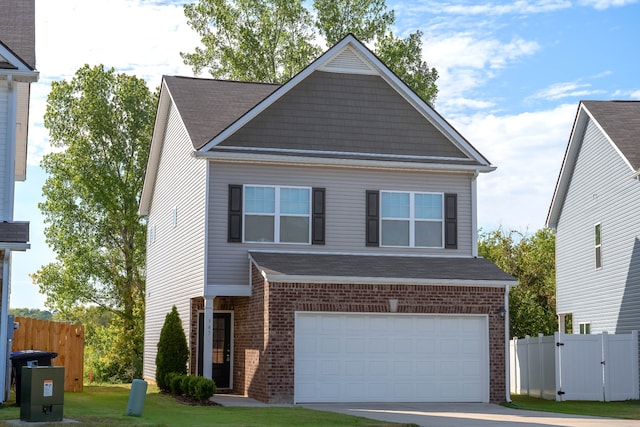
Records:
x=507, y=346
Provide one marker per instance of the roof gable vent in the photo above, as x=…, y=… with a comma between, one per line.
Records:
x=348, y=61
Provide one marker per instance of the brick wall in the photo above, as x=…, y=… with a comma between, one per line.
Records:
x=264, y=325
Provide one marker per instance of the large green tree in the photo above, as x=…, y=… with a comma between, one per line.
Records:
x=272, y=40
x=530, y=258
x=100, y=125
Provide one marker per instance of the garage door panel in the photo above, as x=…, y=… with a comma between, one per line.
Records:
x=390, y=357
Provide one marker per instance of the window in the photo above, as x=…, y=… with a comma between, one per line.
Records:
x=585, y=328
x=411, y=219
x=277, y=214
x=598, y=246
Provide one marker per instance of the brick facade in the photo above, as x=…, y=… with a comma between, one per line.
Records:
x=263, y=364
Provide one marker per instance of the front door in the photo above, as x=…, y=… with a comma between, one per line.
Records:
x=221, y=350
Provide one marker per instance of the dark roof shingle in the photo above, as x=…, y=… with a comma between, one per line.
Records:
x=621, y=121
x=17, y=29
x=380, y=266
x=208, y=106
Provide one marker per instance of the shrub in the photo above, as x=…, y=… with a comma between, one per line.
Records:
x=174, y=382
x=203, y=388
x=173, y=351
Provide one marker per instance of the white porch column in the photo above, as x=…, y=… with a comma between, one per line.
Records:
x=208, y=337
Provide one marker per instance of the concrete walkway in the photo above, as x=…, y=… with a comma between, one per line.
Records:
x=445, y=414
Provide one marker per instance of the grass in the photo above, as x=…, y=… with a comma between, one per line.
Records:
x=628, y=409
x=106, y=406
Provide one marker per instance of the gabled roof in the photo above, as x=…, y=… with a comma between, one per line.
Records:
x=350, y=56
x=17, y=34
x=619, y=122
x=215, y=113
x=387, y=269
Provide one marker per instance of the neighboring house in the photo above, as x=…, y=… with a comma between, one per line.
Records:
x=597, y=228
x=17, y=72
x=319, y=239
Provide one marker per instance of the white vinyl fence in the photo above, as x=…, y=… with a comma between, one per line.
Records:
x=600, y=367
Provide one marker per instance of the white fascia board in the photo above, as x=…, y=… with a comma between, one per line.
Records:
x=14, y=246
x=155, y=150
x=349, y=280
x=339, y=162
x=429, y=113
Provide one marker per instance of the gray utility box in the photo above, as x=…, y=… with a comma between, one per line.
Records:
x=42, y=393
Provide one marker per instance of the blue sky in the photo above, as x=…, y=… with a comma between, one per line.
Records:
x=511, y=77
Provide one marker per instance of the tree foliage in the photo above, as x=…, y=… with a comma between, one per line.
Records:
x=34, y=313
x=173, y=351
x=531, y=260
x=272, y=40
x=100, y=125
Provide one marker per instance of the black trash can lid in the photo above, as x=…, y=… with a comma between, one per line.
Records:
x=30, y=354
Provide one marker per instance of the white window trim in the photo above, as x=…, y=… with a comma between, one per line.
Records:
x=277, y=214
x=584, y=328
x=412, y=219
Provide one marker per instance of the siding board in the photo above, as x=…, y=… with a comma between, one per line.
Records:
x=180, y=185
x=602, y=190
x=344, y=214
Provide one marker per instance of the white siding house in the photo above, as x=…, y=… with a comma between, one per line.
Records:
x=594, y=213
x=17, y=72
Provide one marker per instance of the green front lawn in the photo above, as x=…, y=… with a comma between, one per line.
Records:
x=106, y=406
x=629, y=409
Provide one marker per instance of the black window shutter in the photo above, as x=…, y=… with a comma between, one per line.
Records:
x=451, y=221
x=373, y=217
x=235, y=214
x=317, y=220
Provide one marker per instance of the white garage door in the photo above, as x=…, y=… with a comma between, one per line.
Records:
x=344, y=357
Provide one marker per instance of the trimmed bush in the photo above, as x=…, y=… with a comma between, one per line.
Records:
x=173, y=351
x=203, y=388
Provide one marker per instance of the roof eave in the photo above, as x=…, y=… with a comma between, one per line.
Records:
x=342, y=162
x=352, y=280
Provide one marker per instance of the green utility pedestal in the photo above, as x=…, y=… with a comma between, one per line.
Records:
x=42, y=393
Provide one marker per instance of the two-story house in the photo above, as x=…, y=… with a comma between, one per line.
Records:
x=597, y=229
x=17, y=72
x=319, y=239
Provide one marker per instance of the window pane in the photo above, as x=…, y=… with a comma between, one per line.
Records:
x=258, y=228
x=294, y=229
x=597, y=232
x=428, y=206
x=428, y=234
x=294, y=201
x=395, y=205
x=259, y=199
x=395, y=233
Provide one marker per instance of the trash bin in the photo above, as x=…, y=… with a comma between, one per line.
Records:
x=28, y=358
x=42, y=393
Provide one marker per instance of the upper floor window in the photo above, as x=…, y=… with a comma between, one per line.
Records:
x=277, y=214
x=411, y=219
x=598, y=246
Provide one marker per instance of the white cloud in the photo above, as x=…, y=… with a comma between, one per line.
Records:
x=528, y=149
x=567, y=89
x=605, y=4
x=465, y=61
x=138, y=37
x=488, y=8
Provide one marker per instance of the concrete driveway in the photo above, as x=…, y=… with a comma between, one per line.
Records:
x=465, y=415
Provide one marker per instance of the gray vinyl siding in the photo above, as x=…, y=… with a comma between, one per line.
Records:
x=345, y=113
x=175, y=260
x=344, y=210
x=4, y=134
x=602, y=190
